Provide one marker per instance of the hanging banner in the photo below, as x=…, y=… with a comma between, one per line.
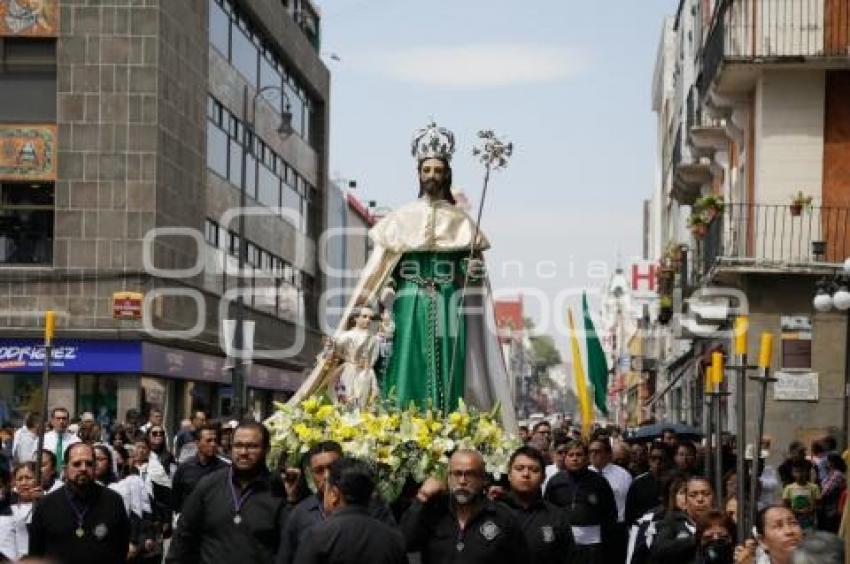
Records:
x=27, y=152
x=29, y=18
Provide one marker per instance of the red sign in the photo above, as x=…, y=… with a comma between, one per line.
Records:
x=127, y=305
x=643, y=277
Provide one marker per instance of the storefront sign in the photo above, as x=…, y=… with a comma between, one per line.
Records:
x=29, y=18
x=188, y=365
x=135, y=357
x=127, y=305
x=27, y=355
x=796, y=386
x=27, y=152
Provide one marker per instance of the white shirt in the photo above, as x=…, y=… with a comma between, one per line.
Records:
x=620, y=481
x=24, y=445
x=51, y=440
x=14, y=537
x=550, y=471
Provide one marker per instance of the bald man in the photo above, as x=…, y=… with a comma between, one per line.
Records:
x=455, y=521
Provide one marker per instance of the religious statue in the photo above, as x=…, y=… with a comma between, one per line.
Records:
x=426, y=268
x=353, y=381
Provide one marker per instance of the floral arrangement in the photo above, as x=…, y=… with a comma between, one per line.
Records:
x=402, y=444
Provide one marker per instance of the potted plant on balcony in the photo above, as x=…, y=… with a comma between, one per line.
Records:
x=799, y=202
x=698, y=225
x=711, y=206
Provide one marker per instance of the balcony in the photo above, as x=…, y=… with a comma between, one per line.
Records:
x=764, y=237
x=746, y=33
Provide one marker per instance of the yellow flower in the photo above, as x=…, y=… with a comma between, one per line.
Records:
x=310, y=405
x=325, y=412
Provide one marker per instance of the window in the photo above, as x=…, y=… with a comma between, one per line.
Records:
x=216, y=149
x=245, y=53
x=251, y=176
x=269, y=187
x=26, y=223
x=235, y=176
x=98, y=393
x=296, y=106
x=22, y=394
x=239, y=42
x=219, y=29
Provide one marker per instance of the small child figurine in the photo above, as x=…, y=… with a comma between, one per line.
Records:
x=354, y=381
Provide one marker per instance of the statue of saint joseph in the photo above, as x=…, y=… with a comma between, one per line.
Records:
x=419, y=268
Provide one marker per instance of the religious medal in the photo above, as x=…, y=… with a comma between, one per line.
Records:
x=238, y=500
x=101, y=531
x=79, y=532
x=459, y=546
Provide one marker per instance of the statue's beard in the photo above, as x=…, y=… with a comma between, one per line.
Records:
x=431, y=188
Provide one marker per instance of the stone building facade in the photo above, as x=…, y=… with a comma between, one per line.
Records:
x=141, y=93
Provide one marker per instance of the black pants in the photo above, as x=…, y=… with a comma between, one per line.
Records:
x=587, y=554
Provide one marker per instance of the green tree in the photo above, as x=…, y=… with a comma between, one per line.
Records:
x=544, y=351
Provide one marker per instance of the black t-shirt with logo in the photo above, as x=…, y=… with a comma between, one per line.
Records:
x=491, y=536
x=546, y=529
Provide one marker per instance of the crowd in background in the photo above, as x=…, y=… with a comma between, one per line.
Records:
x=208, y=493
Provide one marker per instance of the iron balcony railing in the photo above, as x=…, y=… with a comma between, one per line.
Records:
x=770, y=235
x=775, y=30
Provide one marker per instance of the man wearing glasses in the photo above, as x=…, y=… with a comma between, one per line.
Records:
x=234, y=515
x=83, y=521
x=461, y=524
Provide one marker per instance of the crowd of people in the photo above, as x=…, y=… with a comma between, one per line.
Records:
x=209, y=493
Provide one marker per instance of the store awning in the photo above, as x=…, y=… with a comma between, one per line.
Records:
x=676, y=369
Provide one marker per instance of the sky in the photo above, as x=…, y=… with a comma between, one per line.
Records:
x=567, y=81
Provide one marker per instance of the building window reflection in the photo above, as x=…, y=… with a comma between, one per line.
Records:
x=26, y=223
x=233, y=36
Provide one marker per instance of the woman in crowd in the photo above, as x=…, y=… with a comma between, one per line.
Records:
x=716, y=538
x=642, y=532
x=14, y=535
x=104, y=470
x=778, y=534
x=156, y=445
x=829, y=511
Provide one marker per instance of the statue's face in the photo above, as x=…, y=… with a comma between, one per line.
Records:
x=432, y=176
x=363, y=318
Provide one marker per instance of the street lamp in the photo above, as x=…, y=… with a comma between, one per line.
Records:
x=249, y=116
x=834, y=293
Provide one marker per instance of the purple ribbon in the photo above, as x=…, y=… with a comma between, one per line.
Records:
x=238, y=500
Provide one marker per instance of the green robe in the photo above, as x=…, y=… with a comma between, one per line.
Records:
x=425, y=310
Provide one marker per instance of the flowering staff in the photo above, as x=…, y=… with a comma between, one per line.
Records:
x=493, y=154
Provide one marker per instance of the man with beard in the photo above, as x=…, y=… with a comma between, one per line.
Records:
x=83, y=521
x=420, y=268
x=234, y=515
x=544, y=525
x=463, y=525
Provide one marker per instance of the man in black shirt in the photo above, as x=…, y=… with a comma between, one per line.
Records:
x=189, y=473
x=463, y=526
x=544, y=525
x=645, y=493
x=588, y=500
x=81, y=522
x=350, y=534
x=309, y=511
x=235, y=515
